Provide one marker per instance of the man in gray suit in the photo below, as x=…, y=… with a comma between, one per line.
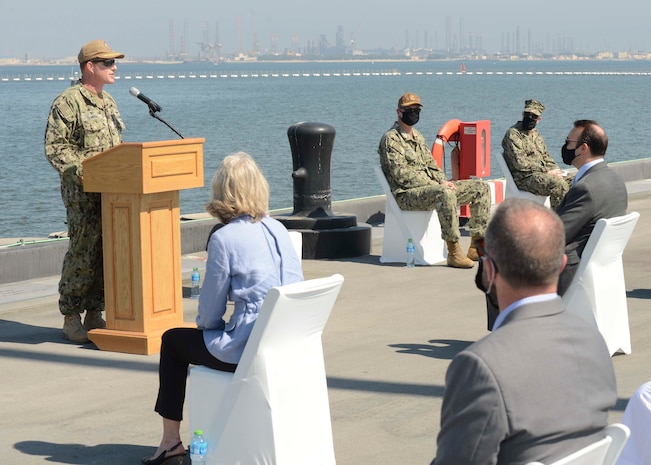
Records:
x=540, y=385
x=597, y=192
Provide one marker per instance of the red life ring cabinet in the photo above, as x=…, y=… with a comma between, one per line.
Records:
x=449, y=132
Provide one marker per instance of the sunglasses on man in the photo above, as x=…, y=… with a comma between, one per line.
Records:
x=107, y=63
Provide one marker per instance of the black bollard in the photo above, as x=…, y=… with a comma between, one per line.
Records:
x=325, y=234
x=311, y=145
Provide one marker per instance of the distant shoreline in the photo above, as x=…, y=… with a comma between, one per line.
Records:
x=14, y=62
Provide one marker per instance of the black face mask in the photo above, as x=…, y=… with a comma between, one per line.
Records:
x=528, y=122
x=567, y=154
x=492, y=306
x=410, y=117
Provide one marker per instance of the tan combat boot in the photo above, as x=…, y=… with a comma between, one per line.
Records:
x=73, y=330
x=472, y=251
x=94, y=320
x=456, y=257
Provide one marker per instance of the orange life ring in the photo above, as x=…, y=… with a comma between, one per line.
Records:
x=448, y=132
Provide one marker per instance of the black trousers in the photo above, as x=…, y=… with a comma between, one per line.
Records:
x=181, y=347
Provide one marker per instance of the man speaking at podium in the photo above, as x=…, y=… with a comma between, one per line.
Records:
x=83, y=120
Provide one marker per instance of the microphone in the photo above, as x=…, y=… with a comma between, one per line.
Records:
x=153, y=106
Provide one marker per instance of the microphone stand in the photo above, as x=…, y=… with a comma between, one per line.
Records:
x=152, y=112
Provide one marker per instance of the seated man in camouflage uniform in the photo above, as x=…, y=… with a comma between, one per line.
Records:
x=526, y=155
x=417, y=183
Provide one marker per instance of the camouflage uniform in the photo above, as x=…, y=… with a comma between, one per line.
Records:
x=81, y=124
x=416, y=182
x=529, y=161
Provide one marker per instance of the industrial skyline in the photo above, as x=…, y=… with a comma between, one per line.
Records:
x=205, y=43
x=45, y=30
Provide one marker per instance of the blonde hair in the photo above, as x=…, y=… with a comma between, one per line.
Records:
x=239, y=188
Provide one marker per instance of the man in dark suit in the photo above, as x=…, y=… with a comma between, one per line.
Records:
x=540, y=385
x=598, y=192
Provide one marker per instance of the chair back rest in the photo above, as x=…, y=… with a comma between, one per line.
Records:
x=391, y=201
x=297, y=243
x=602, y=452
x=274, y=408
x=607, y=241
x=511, y=188
x=594, y=454
x=637, y=416
x=619, y=434
x=291, y=316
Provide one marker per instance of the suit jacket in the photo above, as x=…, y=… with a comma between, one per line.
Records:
x=536, y=389
x=599, y=193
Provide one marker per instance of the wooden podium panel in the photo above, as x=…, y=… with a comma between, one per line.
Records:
x=142, y=239
x=146, y=167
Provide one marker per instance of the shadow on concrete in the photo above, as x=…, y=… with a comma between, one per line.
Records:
x=639, y=294
x=376, y=219
x=375, y=260
x=20, y=333
x=150, y=363
x=79, y=454
x=186, y=292
x=444, y=349
x=620, y=405
x=427, y=390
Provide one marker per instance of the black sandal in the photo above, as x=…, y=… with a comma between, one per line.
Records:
x=162, y=457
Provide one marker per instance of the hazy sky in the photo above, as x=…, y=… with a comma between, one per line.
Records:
x=140, y=28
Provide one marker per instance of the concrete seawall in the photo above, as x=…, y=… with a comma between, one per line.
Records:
x=37, y=258
x=40, y=258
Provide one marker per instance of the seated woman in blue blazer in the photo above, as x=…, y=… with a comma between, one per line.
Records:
x=251, y=253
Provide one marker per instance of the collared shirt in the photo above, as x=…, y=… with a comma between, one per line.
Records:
x=518, y=303
x=245, y=260
x=585, y=168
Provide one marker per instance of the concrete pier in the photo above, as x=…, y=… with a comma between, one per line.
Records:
x=387, y=345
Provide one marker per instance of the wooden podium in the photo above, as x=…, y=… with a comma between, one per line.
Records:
x=141, y=230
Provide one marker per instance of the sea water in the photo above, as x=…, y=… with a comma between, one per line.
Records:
x=250, y=106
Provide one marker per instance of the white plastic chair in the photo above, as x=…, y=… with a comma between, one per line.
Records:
x=637, y=416
x=603, y=452
x=297, y=242
x=399, y=225
x=598, y=290
x=511, y=189
x=274, y=409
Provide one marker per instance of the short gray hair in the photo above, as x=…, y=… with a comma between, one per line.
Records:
x=527, y=242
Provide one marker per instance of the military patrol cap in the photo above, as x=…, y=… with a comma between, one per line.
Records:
x=97, y=50
x=409, y=99
x=534, y=106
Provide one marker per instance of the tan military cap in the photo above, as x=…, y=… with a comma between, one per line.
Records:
x=409, y=99
x=534, y=106
x=97, y=50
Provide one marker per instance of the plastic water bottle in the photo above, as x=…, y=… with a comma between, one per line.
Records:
x=196, y=289
x=410, y=253
x=198, y=447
